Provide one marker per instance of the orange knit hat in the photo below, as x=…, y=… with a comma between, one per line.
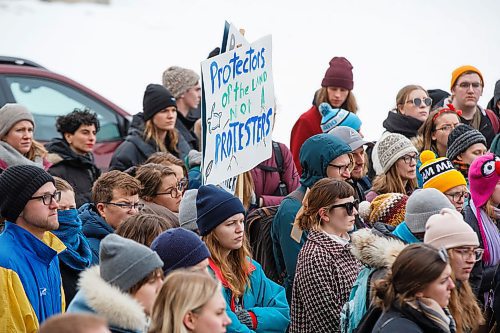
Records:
x=460, y=70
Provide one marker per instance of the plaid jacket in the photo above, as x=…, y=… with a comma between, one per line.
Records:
x=324, y=277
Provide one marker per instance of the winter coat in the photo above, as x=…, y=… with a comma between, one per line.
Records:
x=95, y=228
x=135, y=150
x=405, y=319
x=9, y=156
x=492, y=104
x=122, y=312
x=402, y=124
x=308, y=124
x=193, y=162
x=155, y=209
x=263, y=298
x=326, y=271
x=79, y=170
x=185, y=128
x=31, y=289
x=267, y=182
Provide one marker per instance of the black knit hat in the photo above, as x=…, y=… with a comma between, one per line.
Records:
x=461, y=138
x=17, y=186
x=156, y=98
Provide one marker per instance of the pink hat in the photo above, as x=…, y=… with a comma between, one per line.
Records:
x=484, y=174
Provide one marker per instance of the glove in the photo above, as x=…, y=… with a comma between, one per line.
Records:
x=244, y=318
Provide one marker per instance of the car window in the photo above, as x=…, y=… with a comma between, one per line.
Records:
x=48, y=99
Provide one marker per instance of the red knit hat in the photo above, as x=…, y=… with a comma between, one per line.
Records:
x=339, y=74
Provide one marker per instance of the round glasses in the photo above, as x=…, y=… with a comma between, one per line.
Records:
x=174, y=192
x=418, y=101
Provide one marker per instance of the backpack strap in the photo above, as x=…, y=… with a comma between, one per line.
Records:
x=278, y=156
x=493, y=119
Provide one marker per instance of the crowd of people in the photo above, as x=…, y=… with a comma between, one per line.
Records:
x=346, y=235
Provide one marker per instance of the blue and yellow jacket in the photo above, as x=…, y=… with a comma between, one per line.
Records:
x=30, y=280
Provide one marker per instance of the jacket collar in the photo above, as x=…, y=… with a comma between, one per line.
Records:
x=218, y=272
x=43, y=250
x=373, y=250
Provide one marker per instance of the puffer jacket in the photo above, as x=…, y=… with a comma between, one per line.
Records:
x=95, y=228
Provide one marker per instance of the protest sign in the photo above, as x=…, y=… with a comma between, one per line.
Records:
x=238, y=110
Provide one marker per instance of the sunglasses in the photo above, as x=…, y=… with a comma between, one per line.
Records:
x=418, y=101
x=349, y=206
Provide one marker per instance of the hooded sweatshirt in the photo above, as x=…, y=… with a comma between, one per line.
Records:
x=315, y=155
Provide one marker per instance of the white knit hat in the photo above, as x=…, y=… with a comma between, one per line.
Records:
x=449, y=230
x=178, y=80
x=388, y=150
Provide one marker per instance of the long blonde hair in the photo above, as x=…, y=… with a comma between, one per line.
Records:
x=391, y=182
x=349, y=104
x=151, y=133
x=36, y=150
x=235, y=268
x=463, y=305
x=182, y=292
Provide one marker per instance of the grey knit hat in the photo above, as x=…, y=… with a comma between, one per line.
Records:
x=178, y=80
x=421, y=205
x=389, y=149
x=461, y=138
x=187, y=211
x=124, y=262
x=10, y=114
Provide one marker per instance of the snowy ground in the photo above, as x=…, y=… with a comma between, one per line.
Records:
x=118, y=49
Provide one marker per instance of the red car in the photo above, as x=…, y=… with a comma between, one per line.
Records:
x=48, y=95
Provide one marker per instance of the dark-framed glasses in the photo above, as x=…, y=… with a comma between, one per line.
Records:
x=408, y=158
x=477, y=253
x=126, y=206
x=418, y=101
x=182, y=184
x=342, y=168
x=457, y=196
x=349, y=206
x=174, y=192
x=47, y=198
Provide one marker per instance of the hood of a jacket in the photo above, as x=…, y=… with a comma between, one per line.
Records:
x=402, y=124
x=94, y=226
x=373, y=250
x=316, y=153
x=120, y=309
x=60, y=151
x=137, y=124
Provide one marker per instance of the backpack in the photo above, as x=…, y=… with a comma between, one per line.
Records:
x=278, y=156
x=493, y=119
x=355, y=308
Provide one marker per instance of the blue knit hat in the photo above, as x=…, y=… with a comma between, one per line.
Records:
x=332, y=118
x=179, y=248
x=215, y=205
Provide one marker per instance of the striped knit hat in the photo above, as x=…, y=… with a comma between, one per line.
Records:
x=387, y=208
x=461, y=138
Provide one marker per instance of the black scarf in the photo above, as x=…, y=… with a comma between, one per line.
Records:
x=399, y=123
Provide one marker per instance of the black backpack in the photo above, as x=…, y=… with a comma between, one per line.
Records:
x=278, y=156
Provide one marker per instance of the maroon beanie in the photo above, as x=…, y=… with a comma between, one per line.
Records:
x=339, y=74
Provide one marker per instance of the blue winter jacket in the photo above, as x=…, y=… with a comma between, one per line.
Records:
x=95, y=228
x=263, y=298
x=30, y=280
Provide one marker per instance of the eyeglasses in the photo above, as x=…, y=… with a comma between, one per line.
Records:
x=408, y=158
x=458, y=196
x=349, y=206
x=443, y=255
x=182, y=184
x=47, y=198
x=126, y=206
x=174, y=192
x=477, y=254
x=467, y=85
x=342, y=168
x=447, y=127
x=418, y=101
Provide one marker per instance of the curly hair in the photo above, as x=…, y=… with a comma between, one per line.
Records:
x=71, y=122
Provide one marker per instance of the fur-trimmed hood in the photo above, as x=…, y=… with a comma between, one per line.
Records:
x=373, y=250
x=120, y=310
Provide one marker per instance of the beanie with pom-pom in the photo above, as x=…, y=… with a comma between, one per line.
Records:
x=332, y=118
x=388, y=208
x=439, y=173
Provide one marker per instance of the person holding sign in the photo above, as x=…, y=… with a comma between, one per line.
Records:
x=255, y=303
x=336, y=90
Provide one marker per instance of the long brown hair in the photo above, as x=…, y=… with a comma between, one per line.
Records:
x=151, y=133
x=463, y=306
x=323, y=194
x=428, y=127
x=414, y=269
x=235, y=268
x=391, y=182
x=350, y=103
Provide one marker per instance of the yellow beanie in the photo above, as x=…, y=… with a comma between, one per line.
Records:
x=439, y=173
x=460, y=70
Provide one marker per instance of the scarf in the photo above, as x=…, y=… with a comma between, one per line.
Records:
x=403, y=233
x=489, y=235
x=13, y=157
x=463, y=168
x=402, y=124
x=432, y=311
x=78, y=255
